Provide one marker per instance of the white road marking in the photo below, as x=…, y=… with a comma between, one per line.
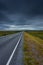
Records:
x=13, y=52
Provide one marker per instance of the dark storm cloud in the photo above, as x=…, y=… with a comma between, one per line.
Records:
x=21, y=12
x=28, y=7
x=3, y=17
x=2, y=6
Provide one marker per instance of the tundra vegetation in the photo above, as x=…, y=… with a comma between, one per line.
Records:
x=33, y=48
x=3, y=33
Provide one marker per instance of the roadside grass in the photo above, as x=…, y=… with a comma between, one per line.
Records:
x=3, y=33
x=36, y=39
x=33, y=50
x=37, y=34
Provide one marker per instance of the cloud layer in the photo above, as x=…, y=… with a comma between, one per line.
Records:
x=21, y=13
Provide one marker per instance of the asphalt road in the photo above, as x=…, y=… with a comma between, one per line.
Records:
x=11, y=49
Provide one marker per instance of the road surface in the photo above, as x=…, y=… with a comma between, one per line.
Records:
x=11, y=49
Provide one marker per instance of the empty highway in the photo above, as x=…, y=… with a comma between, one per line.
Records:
x=11, y=49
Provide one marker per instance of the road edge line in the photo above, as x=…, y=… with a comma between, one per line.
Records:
x=11, y=56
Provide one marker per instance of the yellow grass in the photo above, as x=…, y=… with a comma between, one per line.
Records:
x=33, y=50
x=36, y=39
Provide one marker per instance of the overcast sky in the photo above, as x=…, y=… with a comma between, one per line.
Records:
x=21, y=14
